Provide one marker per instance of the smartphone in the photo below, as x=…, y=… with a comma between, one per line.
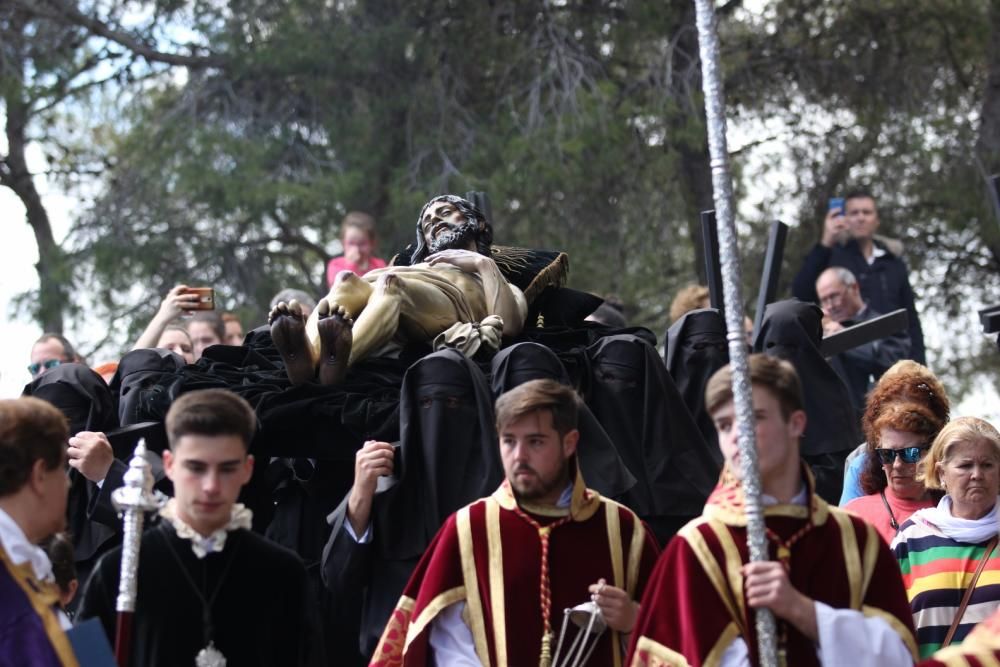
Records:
x=836, y=203
x=206, y=297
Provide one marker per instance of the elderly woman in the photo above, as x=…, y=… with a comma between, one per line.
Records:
x=898, y=438
x=947, y=553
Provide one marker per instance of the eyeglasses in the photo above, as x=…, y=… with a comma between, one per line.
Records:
x=833, y=298
x=36, y=368
x=906, y=454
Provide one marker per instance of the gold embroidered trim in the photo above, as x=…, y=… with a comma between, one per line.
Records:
x=852, y=561
x=957, y=655
x=897, y=625
x=50, y=621
x=635, y=555
x=584, y=502
x=726, y=638
x=696, y=541
x=389, y=650
x=650, y=653
x=613, y=524
x=494, y=546
x=473, y=601
x=734, y=568
x=872, y=541
x=446, y=599
x=511, y=260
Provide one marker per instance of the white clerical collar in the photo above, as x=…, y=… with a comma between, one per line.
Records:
x=202, y=546
x=15, y=543
x=800, y=498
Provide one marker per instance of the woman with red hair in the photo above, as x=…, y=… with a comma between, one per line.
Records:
x=904, y=413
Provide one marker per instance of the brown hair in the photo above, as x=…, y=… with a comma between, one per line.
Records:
x=359, y=220
x=230, y=317
x=176, y=327
x=210, y=412
x=691, y=297
x=30, y=429
x=963, y=429
x=212, y=319
x=772, y=373
x=909, y=417
x=560, y=400
x=859, y=193
x=69, y=352
x=905, y=382
x=59, y=549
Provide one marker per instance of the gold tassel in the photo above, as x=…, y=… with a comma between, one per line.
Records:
x=546, y=659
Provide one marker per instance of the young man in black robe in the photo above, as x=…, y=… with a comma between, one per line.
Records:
x=207, y=586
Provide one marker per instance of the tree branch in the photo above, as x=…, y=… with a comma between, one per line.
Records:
x=68, y=13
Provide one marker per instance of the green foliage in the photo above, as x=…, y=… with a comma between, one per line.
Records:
x=582, y=120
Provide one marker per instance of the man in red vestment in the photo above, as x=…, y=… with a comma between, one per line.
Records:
x=492, y=586
x=832, y=585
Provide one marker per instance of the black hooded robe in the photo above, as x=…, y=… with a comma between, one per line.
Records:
x=448, y=456
x=793, y=330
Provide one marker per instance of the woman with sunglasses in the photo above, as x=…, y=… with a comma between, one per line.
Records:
x=898, y=438
x=947, y=553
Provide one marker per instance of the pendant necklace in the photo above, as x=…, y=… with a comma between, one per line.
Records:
x=208, y=656
x=888, y=508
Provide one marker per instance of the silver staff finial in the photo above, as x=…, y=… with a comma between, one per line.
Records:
x=133, y=500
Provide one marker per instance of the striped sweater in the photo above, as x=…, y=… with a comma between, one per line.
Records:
x=936, y=571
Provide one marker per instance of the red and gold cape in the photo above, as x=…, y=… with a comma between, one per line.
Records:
x=489, y=556
x=695, y=607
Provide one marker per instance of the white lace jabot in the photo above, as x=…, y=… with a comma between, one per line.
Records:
x=214, y=543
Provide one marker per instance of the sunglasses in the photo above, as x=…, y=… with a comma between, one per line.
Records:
x=36, y=368
x=906, y=454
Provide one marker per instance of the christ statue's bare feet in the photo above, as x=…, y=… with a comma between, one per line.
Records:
x=335, y=341
x=288, y=331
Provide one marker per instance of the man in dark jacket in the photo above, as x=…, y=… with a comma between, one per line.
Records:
x=849, y=241
x=861, y=366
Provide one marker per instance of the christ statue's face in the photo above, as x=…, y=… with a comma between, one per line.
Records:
x=444, y=226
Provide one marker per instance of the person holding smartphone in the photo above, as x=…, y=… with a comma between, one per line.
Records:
x=835, y=230
x=849, y=240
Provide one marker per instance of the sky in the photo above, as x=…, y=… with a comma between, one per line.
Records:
x=18, y=255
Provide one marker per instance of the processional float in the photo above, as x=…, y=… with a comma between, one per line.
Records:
x=722, y=191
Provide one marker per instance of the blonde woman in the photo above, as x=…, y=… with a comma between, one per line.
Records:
x=947, y=553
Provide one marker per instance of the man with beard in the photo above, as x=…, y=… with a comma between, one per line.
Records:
x=490, y=587
x=457, y=281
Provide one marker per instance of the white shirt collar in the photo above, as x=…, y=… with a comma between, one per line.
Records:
x=15, y=543
x=800, y=498
x=876, y=253
x=241, y=517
